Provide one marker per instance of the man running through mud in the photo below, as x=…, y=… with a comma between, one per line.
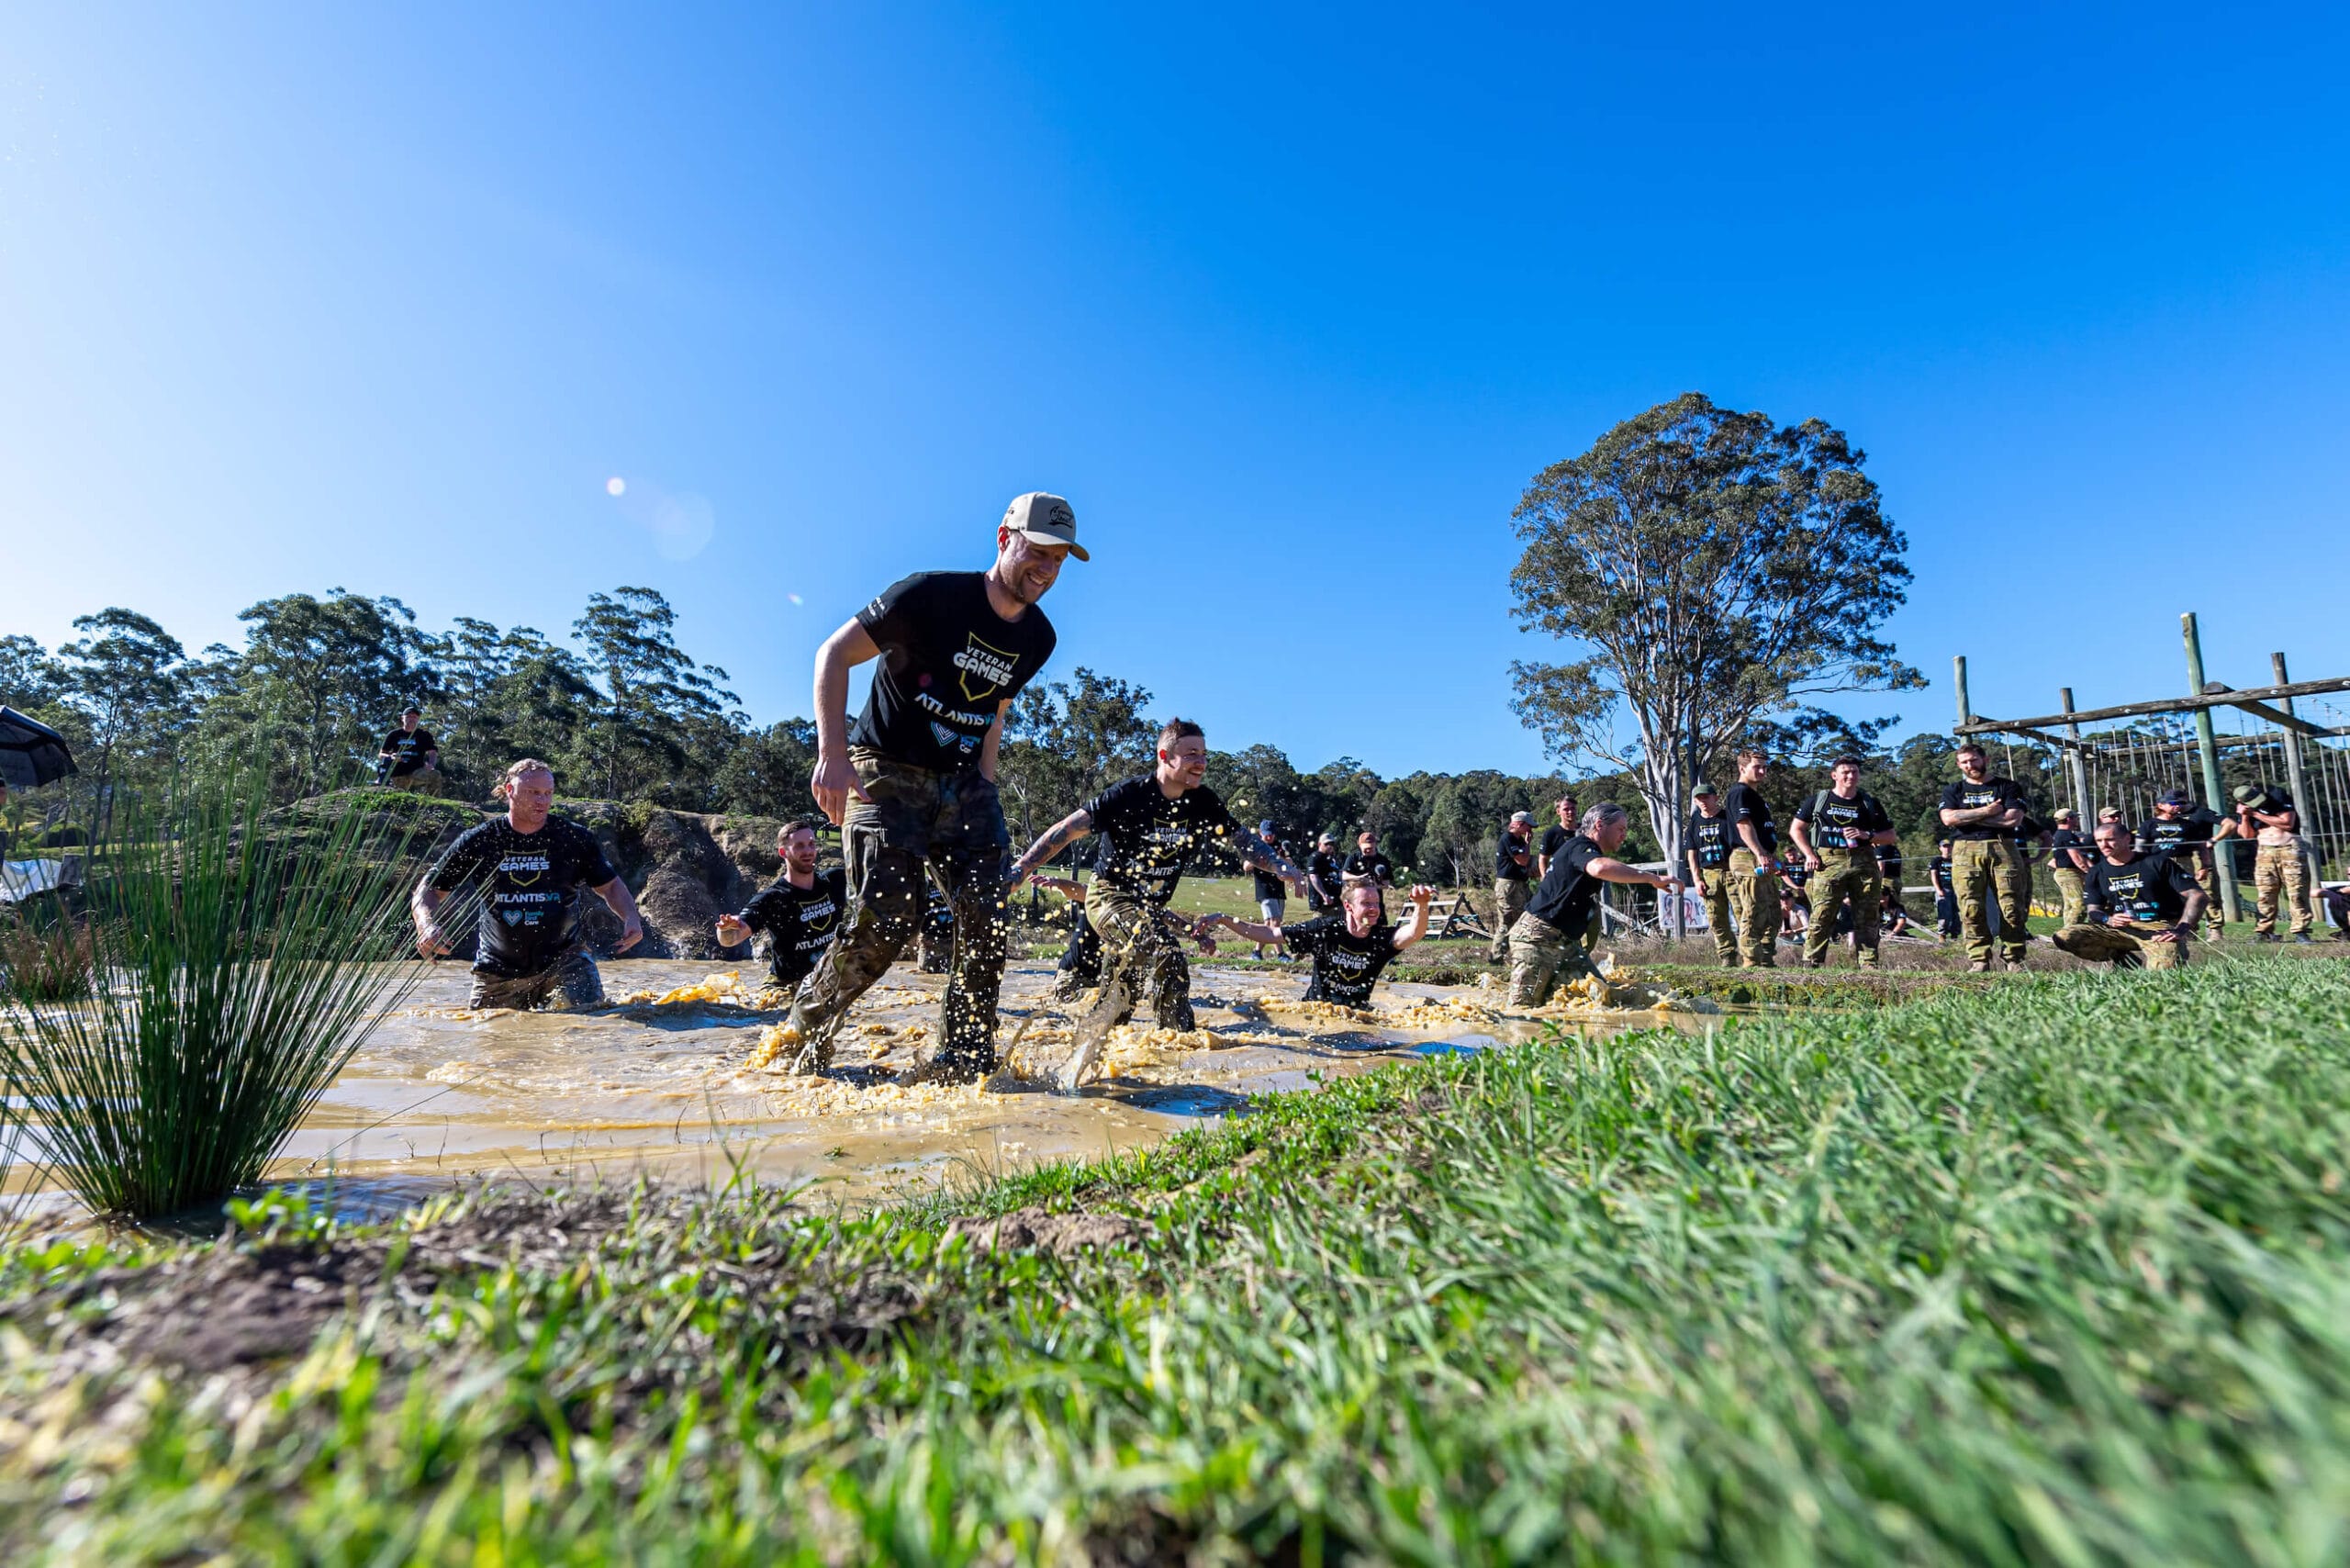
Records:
x=1349, y=949
x=800, y=911
x=2140, y=909
x=531, y=866
x=1545, y=945
x=1151, y=826
x=913, y=783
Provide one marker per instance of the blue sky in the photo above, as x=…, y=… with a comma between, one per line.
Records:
x=1290, y=306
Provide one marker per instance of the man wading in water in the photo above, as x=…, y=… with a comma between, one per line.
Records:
x=1349, y=949
x=1545, y=945
x=1151, y=827
x=533, y=866
x=956, y=647
x=798, y=911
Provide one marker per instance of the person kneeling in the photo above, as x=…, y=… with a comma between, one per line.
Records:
x=1349, y=949
x=2139, y=910
x=1544, y=945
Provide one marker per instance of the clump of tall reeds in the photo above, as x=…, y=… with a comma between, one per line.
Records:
x=45, y=963
x=234, y=977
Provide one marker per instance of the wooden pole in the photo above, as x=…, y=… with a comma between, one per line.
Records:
x=2222, y=855
x=2297, y=784
x=2074, y=766
x=1965, y=708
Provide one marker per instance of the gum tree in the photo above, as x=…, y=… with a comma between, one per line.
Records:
x=1703, y=568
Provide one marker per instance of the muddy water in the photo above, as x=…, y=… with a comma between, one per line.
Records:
x=441, y=1093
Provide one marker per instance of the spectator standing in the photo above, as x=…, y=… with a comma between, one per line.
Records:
x=1325, y=876
x=1945, y=890
x=1754, y=902
x=1368, y=864
x=1983, y=814
x=1513, y=881
x=2070, y=862
x=409, y=758
x=1272, y=893
x=2186, y=832
x=2270, y=818
x=1836, y=832
x=1556, y=834
x=1708, y=839
x=2140, y=909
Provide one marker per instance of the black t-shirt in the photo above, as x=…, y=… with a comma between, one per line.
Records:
x=1794, y=874
x=1888, y=861
x=1323, y=871
x=1345, y=965
x=1375, y=865
x=2152, y=887
x=1839, y=824
x=408, y=748
x=1147, y=839
x=947, y=659
x=530, y=912
x=1512, y=860
x=1709, y=839
x=2070, y=838
x=1553, y=836
x=799, y=921
x=2181, y=836
x=1964, y=797
x=1744, y=803
x=1939, y=869
x=1567, y=889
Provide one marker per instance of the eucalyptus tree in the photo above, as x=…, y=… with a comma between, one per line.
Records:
x=1702, y=569
x=654, y=692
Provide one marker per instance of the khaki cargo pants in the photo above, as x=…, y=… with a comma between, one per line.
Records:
x=915, y=822
x=1845, y=874
x=2072, y=893
x=1540, y=955
x=1511, y=896
x=1719, y=921
x=573, y=975
x=2276, y=866
x=1143, y=946
x=2121, y=945
x=1754, y=912
x=1981, y=869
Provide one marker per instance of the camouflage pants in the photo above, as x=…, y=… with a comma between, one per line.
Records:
x=1540, y=955
x=2280, y=867
x=2215, y=917
x=1142, y=945
x=1754, y=912
x=1510, y=898
x=2120, y=945
x=1981, y=869
x=1719, y=920
x=917, y=822
x=2071, y=890
x=1845, y=874
x=574, y=975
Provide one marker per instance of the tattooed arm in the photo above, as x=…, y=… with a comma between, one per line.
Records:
x=1061, y=834
x=1259, y=856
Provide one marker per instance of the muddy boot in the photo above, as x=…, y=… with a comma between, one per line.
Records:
x=1178, y=1016
x=1116, y=1005
x=941, y=1067
x=814, y=1054
x=1978, y=965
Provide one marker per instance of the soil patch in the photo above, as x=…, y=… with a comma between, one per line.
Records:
x=1058, y=1235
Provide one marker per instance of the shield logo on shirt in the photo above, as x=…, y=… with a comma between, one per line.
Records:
x=984, y=670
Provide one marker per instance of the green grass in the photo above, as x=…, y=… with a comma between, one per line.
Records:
x=2048, y=1273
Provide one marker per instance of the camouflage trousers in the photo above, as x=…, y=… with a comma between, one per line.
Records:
x=916, y=823
x=1753, y=911
x=1510, y=898
x=2282, y=868
x=1142, y=946
x=1719, y=921
x=1845, y=874
x=2072, y=894
x=574, y=975
x=1540, y=955
x=2123, y=946
x=1981, y=869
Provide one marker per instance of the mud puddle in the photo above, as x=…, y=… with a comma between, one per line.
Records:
x=442, y=1095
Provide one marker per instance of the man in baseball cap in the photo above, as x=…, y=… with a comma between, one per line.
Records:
x=1513, y=881
x=2185, y=830
x=1708, y=838
x=1044, y=518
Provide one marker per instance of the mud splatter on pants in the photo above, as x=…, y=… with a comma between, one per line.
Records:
x=918, y=820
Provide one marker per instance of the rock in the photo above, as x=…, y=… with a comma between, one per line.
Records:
x=680, y=914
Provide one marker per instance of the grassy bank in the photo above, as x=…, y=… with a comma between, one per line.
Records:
x=2052, y=1272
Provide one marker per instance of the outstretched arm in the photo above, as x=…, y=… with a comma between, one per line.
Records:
x=1608, y=869
x=615, y=894
x=1416, y=926
x=1061, y=834
x=1264, y=932
x=1259, y=856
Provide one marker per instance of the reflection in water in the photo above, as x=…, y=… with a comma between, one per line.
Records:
x=442, y=1092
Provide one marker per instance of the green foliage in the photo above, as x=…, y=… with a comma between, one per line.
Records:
x=2050, y=1272
x=1063, y=743
x=240, y=980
